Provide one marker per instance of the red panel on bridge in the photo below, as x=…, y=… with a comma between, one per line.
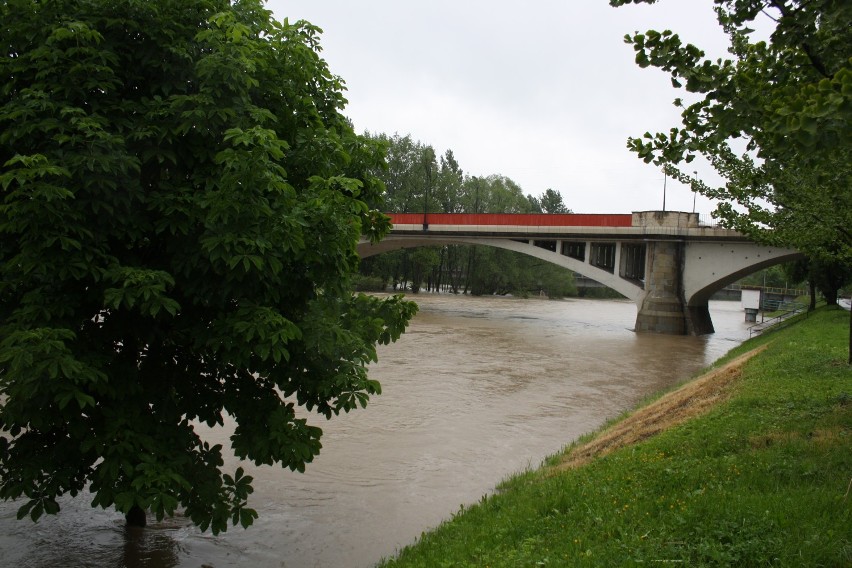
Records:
x=516, y=219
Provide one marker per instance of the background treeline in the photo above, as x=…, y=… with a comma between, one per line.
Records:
x=417, y=181
x=821, y=278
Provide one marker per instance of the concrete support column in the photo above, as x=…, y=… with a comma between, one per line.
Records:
x=698, y=320
x=617, y=260
x=661, y=308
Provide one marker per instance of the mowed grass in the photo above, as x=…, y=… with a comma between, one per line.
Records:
x=760, y=477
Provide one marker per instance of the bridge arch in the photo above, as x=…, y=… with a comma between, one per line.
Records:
x=629, y=289
x=709, y=267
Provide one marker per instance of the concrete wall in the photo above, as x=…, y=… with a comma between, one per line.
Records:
x=667, y=219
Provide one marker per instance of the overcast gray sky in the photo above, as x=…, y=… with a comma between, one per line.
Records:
x=544, y=92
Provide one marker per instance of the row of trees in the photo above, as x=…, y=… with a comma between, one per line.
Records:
x=417, y=180
x=464, y=269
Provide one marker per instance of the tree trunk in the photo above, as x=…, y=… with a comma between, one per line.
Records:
x=439, y=277
x=456, y=272
x=830, y=294
x=405, y=276
x=471, y=258
x=136, y=517
x=812, y=286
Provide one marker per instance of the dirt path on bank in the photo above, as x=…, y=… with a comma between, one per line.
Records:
x=692, y=399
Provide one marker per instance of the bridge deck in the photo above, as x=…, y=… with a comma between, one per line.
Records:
x=515, y=219
x=636, y=226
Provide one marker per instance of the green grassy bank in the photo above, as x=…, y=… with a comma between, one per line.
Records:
x=761, y=478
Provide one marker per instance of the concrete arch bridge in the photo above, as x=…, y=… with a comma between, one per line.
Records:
x=665, y=261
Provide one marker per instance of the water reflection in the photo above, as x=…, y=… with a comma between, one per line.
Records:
x=151, y=547
x=82, y=536
x=477, y=389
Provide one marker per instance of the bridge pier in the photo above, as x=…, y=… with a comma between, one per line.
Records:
x=698, y=320
x=662, y=306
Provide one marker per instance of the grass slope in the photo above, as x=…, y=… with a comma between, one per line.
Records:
x=750, y=465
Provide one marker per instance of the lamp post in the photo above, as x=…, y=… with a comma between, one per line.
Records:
x=694, y=193
x=426, y=209
x=428, y=166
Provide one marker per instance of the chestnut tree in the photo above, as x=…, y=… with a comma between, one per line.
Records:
x=181, y=202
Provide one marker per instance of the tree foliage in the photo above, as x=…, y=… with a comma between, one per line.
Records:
x=418, y=182
x=774, y=120
x=181, y=200
x=550, y=202
x=404, y=174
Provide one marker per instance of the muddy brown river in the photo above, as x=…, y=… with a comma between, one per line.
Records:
x=477, y=389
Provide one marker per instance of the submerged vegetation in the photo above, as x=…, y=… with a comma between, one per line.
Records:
x=759, y=474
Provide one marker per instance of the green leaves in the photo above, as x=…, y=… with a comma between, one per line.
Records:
x=23, y=170
x=181, y=201
x=141, y=289
x=35, y=508
x=35, y=360
x=266, y=331
x=789, y=99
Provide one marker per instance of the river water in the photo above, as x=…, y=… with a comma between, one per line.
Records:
x=475, y=390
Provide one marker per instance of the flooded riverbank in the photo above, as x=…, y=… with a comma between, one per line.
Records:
x=477, y=389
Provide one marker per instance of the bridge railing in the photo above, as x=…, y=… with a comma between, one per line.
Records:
x=775, y=291
x=641, y=223
x=514, y=219
x=707, y=220
x=783, y=313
